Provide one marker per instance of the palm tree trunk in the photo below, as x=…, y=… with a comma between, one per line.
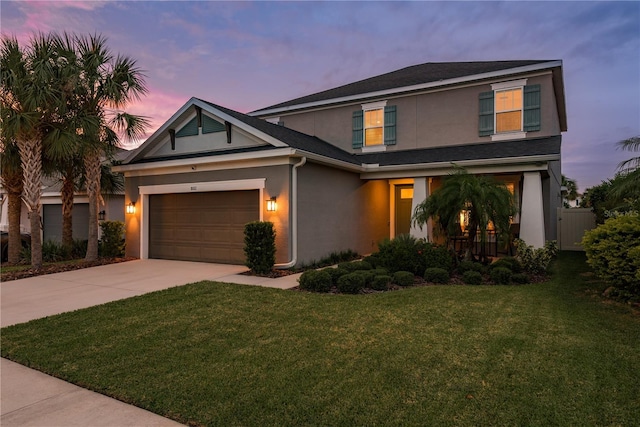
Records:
x=31, y=161
x=12, y=182
x=66, y=194
x=92, y=171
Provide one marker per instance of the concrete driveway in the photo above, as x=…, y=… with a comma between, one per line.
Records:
x=31, y=398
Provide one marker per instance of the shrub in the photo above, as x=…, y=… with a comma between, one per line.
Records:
x=472, y=277
x=351, y=283
x=436, y=275
x=335, y=273
x=507, y=262
x=520, y=278
x=501, y=276
x=381, y=283
x=404, y=253
x=373, y=260
x=315, y=281
x=438, y=257
x=368, y=275
x=54, y=252
x=535, y=261
x=260, y=246
x=466, y=266
x=612, y=251
x=79, y=248
x=381, y=272
x=403, y=278
x=112, y=241
x=355, y=265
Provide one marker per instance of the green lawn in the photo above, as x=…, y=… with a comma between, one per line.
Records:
x=232, y=355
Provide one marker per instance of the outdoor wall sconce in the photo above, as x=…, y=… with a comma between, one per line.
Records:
x=101, y=215
x=131, y=208
x=272, y=205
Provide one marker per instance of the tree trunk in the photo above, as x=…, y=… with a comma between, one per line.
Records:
x=92, y=172
x=14, y=212
x=66, y=194
x=31, y=161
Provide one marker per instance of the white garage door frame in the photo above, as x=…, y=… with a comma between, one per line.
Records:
x=189, y=187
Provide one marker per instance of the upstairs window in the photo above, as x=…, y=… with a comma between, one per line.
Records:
x=509, y=110
x=374, y=126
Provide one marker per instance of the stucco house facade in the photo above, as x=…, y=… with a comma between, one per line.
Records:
x=345, y=168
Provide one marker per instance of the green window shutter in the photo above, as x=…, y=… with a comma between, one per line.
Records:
x=358, y=125
x=531, y=118
x=189, y=129
x=485, y=123
x=390, y=125
x=210, y=126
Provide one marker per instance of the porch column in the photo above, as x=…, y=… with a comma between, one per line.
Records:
x=420, y=193
x=532, y=210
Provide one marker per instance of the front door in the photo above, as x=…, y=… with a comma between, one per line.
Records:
x=404, y=200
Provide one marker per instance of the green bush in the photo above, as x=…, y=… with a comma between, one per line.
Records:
x=404, y=253
x=355, y=265
x=315, y=281
x=260, y=246
x=373, y=260
x=520, y=278
x=501, y=276
x=79, y=248
x=465, y=266
x=381, y=283
x=507, y=262
x=380, y=271
x=112, y=241
x=403, y=278
x=351, y=283
x=535, y=261
x=54, y=252
x=438, y=257
x=472, y=277
x=368, y=275
x=436, y=275
x=336, y=273
x=612, y=251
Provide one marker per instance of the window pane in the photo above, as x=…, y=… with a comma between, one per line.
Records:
x=509, y=122
x=373, y=118
x=373, y=136
x=509, y=100
x=406, y=193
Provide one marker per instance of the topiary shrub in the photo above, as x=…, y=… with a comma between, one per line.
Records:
x=381, y=283
x=472, y=277
x=355, y=265
x=403, y=253
x=372, y=259
x=380, y=271
x=335, y=273
x=260, y=246
x=507, y=262
x=536, y=261
x=436, y=275
x=368, y=275
x=465, y=266
x=403, y=278
x=351, y=283
x=315, y=281
x=520, y=278
x=112, y=241
x=501, y=276
x=438, y=257
x=612, y=251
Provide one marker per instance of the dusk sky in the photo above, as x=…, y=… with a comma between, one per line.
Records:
x=246, y=56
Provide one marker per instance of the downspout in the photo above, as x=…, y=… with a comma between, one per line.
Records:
x=294, y=217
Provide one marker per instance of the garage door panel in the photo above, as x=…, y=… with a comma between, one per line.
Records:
x=205, y=227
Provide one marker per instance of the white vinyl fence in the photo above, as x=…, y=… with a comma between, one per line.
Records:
x=572, y=223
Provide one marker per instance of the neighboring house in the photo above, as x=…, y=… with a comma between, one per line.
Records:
x=346, y=167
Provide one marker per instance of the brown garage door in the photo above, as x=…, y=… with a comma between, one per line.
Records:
x=206, y=227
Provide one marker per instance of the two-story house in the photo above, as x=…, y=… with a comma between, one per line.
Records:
x=346, y=167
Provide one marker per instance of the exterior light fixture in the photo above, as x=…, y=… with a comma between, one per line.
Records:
x=131, y=208
x=272, y=205
x=101, y=215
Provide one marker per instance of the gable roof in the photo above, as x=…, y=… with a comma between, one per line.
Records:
x=416, y=77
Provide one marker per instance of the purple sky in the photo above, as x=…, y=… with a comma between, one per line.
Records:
x=246, y=56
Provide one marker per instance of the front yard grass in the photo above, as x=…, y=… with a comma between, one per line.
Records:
x=218, y=354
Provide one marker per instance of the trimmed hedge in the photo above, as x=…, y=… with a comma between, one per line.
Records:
x=465, y=266
x=315, y=281
x=472, y=277
x=501, y=275
x=381, y=283
x=403, y=278
x=260, y=246
x=436, y=275
x=351, y=283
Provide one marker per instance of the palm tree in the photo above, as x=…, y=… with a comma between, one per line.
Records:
x=570, y=191
x=106, y=84
x=11, y=178
x=34, y=96
x=484, y=199
x=628, y=186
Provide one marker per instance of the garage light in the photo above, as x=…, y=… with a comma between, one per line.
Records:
x=131, y=208
x=101, y=215
x=272, y=205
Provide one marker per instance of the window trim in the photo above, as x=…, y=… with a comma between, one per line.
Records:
x=372, y=106
x=504, y=86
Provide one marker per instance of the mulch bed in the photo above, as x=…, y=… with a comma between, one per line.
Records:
x=273, y=274
x=59, y=268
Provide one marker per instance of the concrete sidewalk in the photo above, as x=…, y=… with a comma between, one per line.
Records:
x=31, y=398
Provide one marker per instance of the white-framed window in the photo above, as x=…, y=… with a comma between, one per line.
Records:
x=508, y=107
x=374, y=126
x=509, y=110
